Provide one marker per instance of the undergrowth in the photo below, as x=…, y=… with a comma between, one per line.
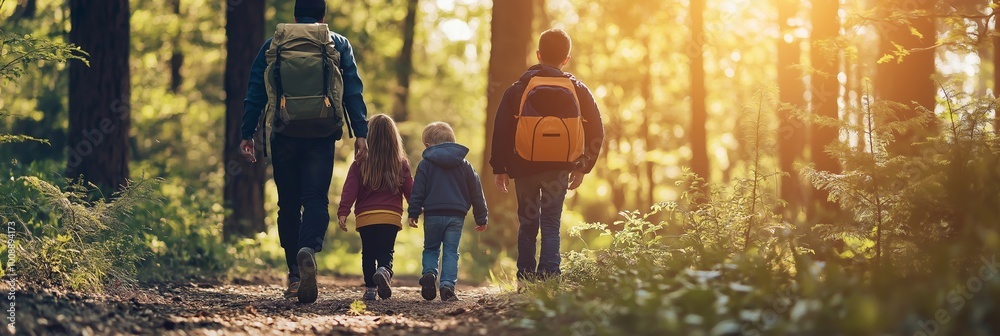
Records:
x=914, y=251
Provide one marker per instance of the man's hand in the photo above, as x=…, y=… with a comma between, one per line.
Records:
x=481, y=228
x=501, y=180
x=247, y=149
x=575, y=179
x=342, y=221
x=361, y=149
x=413, y=223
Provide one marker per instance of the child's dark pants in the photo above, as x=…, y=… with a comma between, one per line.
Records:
x=540, y=200
x=377, y=242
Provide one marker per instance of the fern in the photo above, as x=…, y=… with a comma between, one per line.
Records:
x=87, y=245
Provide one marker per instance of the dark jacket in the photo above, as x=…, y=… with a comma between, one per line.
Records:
x=447, y=185
x=505, y=160
x=354, y=102
x=356, y=194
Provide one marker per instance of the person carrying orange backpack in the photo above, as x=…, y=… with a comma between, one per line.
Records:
x=547, y=136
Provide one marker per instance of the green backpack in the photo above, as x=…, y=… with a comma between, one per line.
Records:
x=305, y=88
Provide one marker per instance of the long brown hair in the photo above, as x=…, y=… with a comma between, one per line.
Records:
x=386, y=156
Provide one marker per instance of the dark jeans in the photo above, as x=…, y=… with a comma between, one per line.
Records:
x=303, y=168
x=540, y=200
x=377, y=243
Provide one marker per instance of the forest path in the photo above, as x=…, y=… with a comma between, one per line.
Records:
x=255, y=307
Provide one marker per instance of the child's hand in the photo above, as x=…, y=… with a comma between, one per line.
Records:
x=342, y=221
x=481, y=228
x=413, y=223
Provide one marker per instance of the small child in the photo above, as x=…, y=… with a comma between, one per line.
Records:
x=378, y=186
x=445, y=188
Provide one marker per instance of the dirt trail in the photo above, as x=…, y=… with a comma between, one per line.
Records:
x=255, y=307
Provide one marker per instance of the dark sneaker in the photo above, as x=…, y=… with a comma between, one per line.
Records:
x=448, y=294
x=293, y=287
x=428, y=286
x=383, y=280
x=307, y=270
x=369, y=294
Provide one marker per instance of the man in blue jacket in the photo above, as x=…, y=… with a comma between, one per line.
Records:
x=303, y=167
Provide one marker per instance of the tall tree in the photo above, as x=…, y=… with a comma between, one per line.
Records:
x=825, y=90
x=26, y=9
x=907, y=78
x=996, y=65
x=646, y=91
x=510, y=41
x=177, y=56
x=791, y=131
x=244, y=185
x=404, y=65
x=99, y=95
x=699, y=112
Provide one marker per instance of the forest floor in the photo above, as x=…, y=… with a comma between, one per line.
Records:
x=255, y=307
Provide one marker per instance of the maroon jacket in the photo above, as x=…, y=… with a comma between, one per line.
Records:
x=367, y=200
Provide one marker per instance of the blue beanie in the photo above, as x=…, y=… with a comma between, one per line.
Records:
x=315, y=9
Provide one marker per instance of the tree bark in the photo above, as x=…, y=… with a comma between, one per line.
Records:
x=650, y=110
x=26, y=9
x=996, y=71
x=909, y=81
x=99, y=95
x=825, y=90
x=244, y=185
x=177, y=57
x=791, y=130
x=511, y=38
x=404, y=66
x=699, y=111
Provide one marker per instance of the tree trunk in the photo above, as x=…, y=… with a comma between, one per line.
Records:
x=99, y=95
x=909, y=81
x=791, y=130
x=996, y=71
x=825, y=89
x=699, y=112
x=244, y=185
x=650, y=110
x=404, y=67
x=177, y=57
x=26, y=9
x=511, y=35
x=543, y=20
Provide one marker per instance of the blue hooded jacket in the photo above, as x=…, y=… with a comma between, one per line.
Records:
x=447, y=185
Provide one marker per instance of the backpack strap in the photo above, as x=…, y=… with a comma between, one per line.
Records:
x=326, y=78
x=537, y=81
x=326, y=74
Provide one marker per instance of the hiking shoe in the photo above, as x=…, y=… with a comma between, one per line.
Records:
x=307, y=270
x=428, y=286
x=293, y=287
x=448, y=294
x=369, y=294
x=383, y=280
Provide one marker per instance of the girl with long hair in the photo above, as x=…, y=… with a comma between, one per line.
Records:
x=376, y=188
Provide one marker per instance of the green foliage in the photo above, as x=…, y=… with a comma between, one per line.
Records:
x=75, y=240
x=682, y=268
x=18, y=52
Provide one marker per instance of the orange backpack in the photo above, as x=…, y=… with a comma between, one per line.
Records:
x=549, y=121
